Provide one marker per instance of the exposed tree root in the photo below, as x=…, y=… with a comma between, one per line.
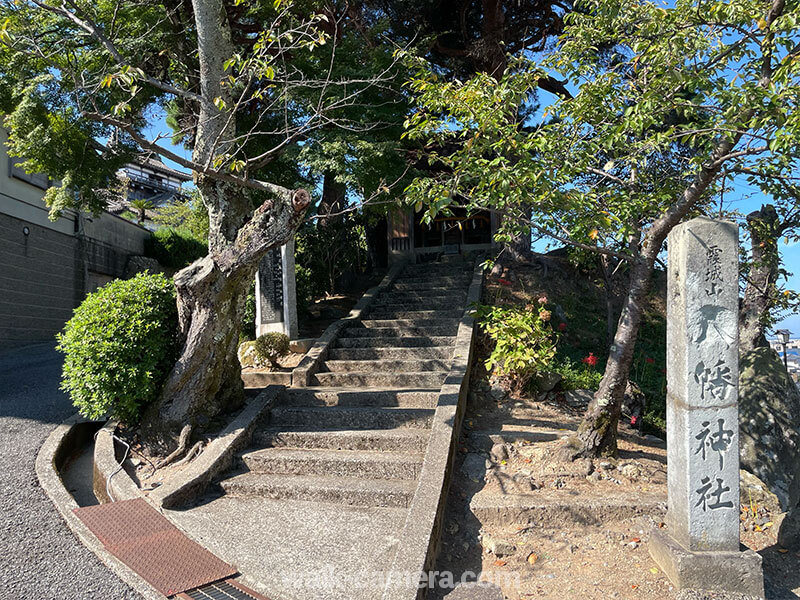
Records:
x=191, y=454
x=183, y=442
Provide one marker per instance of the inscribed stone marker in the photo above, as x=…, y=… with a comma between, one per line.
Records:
x=702, y=413
x=276, y=301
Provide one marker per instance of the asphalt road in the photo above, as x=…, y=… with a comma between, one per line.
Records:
x=40, y=558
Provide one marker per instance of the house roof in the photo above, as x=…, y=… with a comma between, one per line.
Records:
x=151, y=162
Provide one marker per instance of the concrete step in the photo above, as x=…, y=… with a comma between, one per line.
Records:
x=310, y=396
x=418, y=379
x=382, y=313
x=446, y=278
x=392, y=304
x=554, y=508
x=353, y=491
x=433, y=267
x=337, y=463
x=404, y=342
x=404, y=331
x=373, y=323
x=418, y=365
x=407, y=440
x=410, y=285
x=347, y=417
x=443, y=352
x=429, y=294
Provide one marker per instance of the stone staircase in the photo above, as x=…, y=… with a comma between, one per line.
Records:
x=357, y=436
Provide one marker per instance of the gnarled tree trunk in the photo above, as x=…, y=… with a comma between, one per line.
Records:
x=206, y=379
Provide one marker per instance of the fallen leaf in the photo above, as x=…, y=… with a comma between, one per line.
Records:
x=768, y=524
x=782, y=550
x=654, y=571
x=637, y=540
x=634, y=586
x=532, y=558
x=500, y=563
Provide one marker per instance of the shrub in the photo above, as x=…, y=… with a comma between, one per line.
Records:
x=119, y=346
x=577, y=376
x=271, y=346
x=174, y=248
x=524, y=343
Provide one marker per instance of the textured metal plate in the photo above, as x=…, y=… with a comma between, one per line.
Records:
x=154, y=548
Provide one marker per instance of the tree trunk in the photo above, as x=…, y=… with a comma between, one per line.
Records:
x=608, y=287
x=597, y=433
x=764, y=228
x=333, y=199
x=211, y=292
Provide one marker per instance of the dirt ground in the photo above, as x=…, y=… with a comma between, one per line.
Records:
x=586, y=535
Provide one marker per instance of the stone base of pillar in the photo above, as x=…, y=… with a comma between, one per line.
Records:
x=279, y=327
x=708, y=571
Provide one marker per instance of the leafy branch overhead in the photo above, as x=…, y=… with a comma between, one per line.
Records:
x=662, y=98
x=90, y=77
x=664, y=103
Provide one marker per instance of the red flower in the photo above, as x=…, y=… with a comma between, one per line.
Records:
x=562, y=326
x=590, y=360
x=634, y=420
x=504, y=281
x=650, y=361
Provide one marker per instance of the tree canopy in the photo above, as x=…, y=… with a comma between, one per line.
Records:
x=665, y=102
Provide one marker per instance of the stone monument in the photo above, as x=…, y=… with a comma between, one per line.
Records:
x=699, y=548
x=276, y=298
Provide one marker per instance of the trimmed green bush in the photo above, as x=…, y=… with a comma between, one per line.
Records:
x=174, y=248
x=271, y=346
x=119, y=346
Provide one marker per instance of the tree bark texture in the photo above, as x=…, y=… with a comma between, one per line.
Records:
x=765, y=229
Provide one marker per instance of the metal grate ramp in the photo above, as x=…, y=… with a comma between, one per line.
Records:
x=222, y=590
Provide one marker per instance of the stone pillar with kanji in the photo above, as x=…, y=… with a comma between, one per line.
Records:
x=699, y=546
x=276, y=297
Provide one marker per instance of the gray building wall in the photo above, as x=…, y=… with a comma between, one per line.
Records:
x=46, y=267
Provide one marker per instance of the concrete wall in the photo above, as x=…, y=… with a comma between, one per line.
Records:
x=46, y=267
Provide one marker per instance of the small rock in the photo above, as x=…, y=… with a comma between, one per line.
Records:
x=498, y=547
x=631, y=470
x=497, y=392
x=596, y=476
x=475, y=466
x=578, y=398
x=546, y=381
x=523, y=484
x=499, y=452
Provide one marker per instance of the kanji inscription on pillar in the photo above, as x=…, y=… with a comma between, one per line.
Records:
x=702, y=386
